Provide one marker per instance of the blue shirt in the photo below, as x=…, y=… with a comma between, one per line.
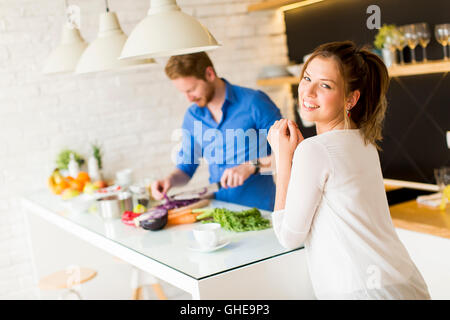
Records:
x=240, y=136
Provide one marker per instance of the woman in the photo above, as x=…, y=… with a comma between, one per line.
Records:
x=330, y=193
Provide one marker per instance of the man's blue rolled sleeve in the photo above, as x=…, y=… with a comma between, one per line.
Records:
x=265, y=113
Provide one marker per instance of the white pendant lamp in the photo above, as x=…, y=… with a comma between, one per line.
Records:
x=103, y=53
x=64, y=58
x=167, y=31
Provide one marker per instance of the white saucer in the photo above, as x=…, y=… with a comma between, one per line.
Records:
x=194, y=246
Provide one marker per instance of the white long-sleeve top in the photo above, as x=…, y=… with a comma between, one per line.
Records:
x=336, y=206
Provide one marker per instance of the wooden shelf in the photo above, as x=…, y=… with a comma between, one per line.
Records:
x=275, y=4
x=278, y=81
x=395, y=71
x=419, y=68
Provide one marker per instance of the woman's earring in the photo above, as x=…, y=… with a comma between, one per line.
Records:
x=348, y=113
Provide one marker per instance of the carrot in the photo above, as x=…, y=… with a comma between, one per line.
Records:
x=179, y=213
x=183, y=219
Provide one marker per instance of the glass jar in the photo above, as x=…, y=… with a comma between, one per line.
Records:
x=140, y=195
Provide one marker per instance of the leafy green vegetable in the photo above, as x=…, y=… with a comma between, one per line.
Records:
x=63, y=158
x=239, y=221
x=385, y=31
x=97, y=153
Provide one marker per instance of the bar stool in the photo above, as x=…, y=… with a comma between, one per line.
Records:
x=70, y=280
x=140, y=279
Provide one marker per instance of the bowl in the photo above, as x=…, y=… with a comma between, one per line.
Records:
x=113, y=206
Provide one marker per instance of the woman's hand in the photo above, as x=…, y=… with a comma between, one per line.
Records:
x=284, y=137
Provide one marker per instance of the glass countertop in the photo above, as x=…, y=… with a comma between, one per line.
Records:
x=171, y=245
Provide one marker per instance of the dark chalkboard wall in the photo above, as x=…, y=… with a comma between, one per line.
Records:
x=418, y=115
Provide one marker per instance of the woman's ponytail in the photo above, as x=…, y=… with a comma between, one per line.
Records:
x=364, y=71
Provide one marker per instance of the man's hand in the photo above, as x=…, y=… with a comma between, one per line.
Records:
x=235, y=177
x=160, y=188
x=176, y=178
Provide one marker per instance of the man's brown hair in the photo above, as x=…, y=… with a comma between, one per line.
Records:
x=187, y=65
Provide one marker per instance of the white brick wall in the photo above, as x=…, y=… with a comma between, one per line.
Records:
x=132, y=113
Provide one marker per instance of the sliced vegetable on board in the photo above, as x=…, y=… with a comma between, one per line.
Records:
x=195, y=205
x=171, y=212
x=185, y=214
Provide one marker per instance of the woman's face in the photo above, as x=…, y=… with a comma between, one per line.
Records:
x=321, y=94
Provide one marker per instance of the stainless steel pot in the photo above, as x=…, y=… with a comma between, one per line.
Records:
x=113, y=206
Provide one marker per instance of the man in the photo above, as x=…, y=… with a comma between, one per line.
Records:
x=216, y=127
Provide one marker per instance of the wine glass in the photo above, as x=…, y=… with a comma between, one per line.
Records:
x=412, y=39
x=442, y=176
x=442, y=33
x=399, y=41
x=423, y=32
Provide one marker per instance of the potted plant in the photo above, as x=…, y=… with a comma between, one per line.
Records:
x=63, y=159
x=385, y=41
x=95, y=165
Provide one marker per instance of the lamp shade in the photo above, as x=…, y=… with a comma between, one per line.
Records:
x=103, y=53
x=64, y=58
x=167, y=31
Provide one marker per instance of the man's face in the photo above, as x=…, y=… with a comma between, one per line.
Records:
x=196, y=90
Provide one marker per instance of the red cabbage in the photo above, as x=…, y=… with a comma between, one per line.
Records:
x=169, y=204
x=155, y=219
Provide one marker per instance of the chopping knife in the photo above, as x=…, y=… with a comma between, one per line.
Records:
x=205, y=192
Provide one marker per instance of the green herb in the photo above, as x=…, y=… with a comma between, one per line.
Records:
x=239, y=221
x=97, y=153
x=63, y=158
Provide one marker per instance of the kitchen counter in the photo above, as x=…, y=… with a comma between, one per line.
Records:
x=413, y=216
x=407, y=214
x=254, y=265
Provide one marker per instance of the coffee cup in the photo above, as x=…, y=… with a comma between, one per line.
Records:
x=207, y=235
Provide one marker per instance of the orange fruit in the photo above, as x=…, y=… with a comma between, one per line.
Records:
x=64, y=184
x=76, y=185
x=100, y=184
x=83, y=177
